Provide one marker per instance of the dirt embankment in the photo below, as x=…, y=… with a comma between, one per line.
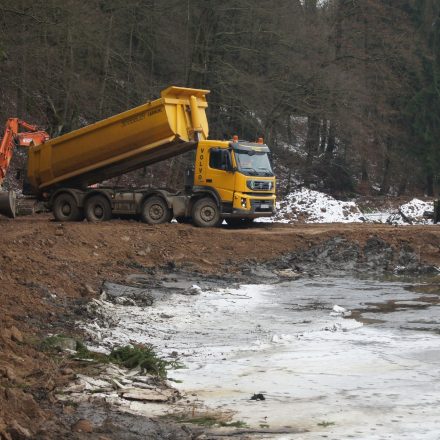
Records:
x=48, y=269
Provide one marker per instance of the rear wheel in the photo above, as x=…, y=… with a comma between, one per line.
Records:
x=155, y=211
x=98, y=209
x=205, y=213
x=66, y=209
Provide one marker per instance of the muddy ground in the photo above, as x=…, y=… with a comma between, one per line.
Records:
x=49, y=271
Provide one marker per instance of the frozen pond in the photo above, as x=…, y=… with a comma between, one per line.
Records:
x=374, y=374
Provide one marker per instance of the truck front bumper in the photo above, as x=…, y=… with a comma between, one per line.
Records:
x=252, y=207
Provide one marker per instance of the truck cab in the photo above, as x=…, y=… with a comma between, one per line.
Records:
x=239, y=175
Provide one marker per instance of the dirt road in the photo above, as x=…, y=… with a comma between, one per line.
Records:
x=47, y=269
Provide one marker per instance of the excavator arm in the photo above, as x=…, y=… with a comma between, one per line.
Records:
x=12, y=138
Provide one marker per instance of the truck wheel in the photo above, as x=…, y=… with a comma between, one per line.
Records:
x=205, y=213
x=66, y=209
x=98, y=209
x=155, y=211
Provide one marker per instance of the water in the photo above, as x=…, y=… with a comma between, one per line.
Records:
x=371, y=375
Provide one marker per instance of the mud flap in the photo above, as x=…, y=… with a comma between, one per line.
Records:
x=7, y=203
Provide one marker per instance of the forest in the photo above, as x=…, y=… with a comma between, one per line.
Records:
x=345, y=92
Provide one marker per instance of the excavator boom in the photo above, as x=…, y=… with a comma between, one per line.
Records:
x=12, y=138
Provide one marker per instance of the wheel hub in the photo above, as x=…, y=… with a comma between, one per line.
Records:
x=66, y=209
x=98, y=211
x=207, y=213
x=156, y=212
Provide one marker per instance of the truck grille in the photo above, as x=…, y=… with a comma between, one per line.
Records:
x=260, y=185
x=263, y=185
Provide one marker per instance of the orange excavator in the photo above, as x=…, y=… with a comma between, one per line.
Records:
x=13, y=137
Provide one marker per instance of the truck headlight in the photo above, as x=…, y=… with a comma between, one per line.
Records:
x=243, y=202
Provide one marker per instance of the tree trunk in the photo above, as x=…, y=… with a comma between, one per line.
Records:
x=385, y=185
x=105, y=68
x=323, y=135
x=331, y=141
x=430, y=184
x=312, y=141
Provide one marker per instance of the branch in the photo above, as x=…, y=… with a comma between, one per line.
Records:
x=21, y=13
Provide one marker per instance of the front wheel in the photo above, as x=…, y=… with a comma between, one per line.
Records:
x=155, y=211
x=205, y=213
x=98, y=209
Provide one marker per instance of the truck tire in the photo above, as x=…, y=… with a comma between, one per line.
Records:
x=155, y=211
x=205, y=213
x=98, y=209
x=66, y=209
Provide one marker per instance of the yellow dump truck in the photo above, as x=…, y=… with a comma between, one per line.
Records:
x=231, y=180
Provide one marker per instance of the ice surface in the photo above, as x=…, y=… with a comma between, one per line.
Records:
x=329, y=375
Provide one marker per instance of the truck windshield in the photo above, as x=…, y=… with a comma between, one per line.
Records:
x=253, y=163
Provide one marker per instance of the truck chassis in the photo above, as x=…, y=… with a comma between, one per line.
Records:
x=200, y=205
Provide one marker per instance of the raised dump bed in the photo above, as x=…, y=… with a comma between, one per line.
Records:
x=138, y=137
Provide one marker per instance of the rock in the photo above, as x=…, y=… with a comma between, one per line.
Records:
x=193, y=290
x=258, y=396
x=67, y=371
x=127, y=295
x=16, y=334
x=6, y=333
x=82, y=425
x=59, y=232
x=88, y=289
x=288, y=274
x=147, y=395
x=69, y=410
x=64, y=344
x=17, y=432
x=4, y=435
x=10, y=374
x=339, y=309
x=123, y=301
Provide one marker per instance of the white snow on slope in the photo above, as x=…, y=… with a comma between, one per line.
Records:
x=309, y=206
x=412, y=213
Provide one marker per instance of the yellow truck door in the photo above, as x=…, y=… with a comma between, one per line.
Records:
x=219, y=173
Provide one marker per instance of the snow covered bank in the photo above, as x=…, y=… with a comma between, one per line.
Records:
x=309, y=206
x=305, y=205
x=412, y=213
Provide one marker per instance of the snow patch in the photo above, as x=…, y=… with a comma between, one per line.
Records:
x=412, y=213
x=309, y=206
x=305, y=205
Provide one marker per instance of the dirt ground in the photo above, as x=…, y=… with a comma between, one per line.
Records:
x=47, y=268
